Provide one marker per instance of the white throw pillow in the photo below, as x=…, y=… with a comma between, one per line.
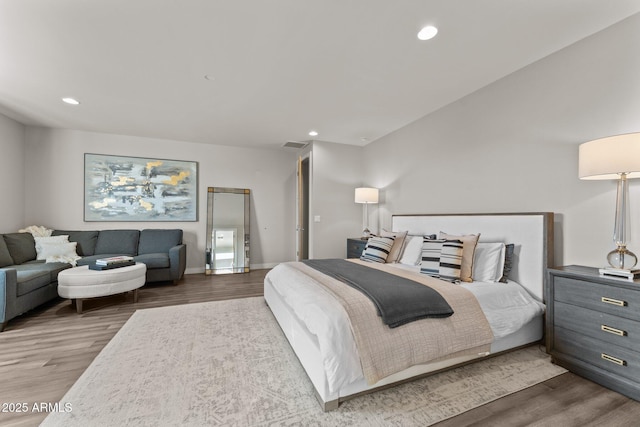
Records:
x=60, y=252
x=40, y=241
x=488, y=262
x=412, y=253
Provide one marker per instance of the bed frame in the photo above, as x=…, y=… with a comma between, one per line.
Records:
x=532, y=235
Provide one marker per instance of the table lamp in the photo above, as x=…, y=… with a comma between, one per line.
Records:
x=366, y=195
x=614, y=157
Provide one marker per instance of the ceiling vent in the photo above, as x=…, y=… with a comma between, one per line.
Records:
x=295, y=144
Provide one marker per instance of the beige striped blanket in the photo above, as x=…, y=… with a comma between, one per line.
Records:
x=384, y=351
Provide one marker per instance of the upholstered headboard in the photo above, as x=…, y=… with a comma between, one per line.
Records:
x=531, y=233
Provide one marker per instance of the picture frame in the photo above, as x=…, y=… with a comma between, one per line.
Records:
x=131, y=189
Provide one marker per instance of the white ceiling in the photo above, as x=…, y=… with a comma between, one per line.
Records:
x=351, y=69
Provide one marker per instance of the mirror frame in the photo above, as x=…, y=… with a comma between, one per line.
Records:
x=211, y=191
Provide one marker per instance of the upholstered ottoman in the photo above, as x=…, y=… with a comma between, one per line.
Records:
x=79, y=283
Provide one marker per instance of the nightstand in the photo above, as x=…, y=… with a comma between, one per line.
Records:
x=593, y=327
x=355, y=246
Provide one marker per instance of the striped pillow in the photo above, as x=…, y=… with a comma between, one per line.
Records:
x=451, y=260
x=377, y=249
x=442, y=259
x=431, y=256
x=470, y=242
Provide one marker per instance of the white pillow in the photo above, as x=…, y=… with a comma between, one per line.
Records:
x=488, y=262
x=412, y=253
x=40, y=241
x=60, y=252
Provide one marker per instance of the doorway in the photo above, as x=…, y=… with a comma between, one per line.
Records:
x=302, y=199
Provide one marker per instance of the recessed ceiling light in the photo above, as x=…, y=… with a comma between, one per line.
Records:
x=313, y=133
x=71, y=101
x=427, y=32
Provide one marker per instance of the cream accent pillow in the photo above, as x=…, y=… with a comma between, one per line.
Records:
x=398, y=243
x=42, y=241
x=60, y=252
x=469, y=242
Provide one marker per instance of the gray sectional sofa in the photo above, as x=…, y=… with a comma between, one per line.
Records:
x=26, y=282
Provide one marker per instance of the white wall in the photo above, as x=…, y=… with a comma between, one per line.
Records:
x=336, y=171
x=513, y=146
x=12, y=187
x=55, y=180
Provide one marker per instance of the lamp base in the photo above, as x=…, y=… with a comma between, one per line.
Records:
x=366, y=233
x=622, y=258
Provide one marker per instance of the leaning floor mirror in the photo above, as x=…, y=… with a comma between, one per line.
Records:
x=227, y=230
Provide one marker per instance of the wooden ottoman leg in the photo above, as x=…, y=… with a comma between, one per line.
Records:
x=78, y=305
x=135, y=295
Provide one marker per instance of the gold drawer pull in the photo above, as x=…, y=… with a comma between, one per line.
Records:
x=614, y=301
x=613, y=331
x=613, y=359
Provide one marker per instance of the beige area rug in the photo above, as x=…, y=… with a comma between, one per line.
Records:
x=228, y=363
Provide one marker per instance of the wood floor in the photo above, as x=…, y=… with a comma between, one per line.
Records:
x=43, y=352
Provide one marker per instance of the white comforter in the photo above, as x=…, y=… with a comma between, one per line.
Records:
x=507, y=307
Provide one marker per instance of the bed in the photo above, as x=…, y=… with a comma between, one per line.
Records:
x=326, y=342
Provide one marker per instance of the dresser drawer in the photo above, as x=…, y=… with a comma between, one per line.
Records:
x=602, y=298
x=612, y=358
x=605, y=327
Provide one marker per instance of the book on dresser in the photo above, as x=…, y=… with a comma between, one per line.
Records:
x=114, y=260
x=629, y=275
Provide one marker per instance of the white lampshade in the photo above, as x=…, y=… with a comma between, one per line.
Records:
x=607, y=158
x=366, y=195
x=615, y=157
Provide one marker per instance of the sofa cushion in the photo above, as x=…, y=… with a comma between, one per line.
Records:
x=52, y=267
x=31, y=279
x=86, y=240
x=123, y=242
x=5, y=256
x=22, y=247
x=157, y=260
x=155, y=241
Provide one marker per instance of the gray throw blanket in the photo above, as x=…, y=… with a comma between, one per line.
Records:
x=398, y=300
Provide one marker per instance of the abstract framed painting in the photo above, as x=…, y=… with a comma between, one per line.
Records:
x=122, y=188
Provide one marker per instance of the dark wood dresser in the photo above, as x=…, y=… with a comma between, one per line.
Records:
x=593, y=326
x=355, y=246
